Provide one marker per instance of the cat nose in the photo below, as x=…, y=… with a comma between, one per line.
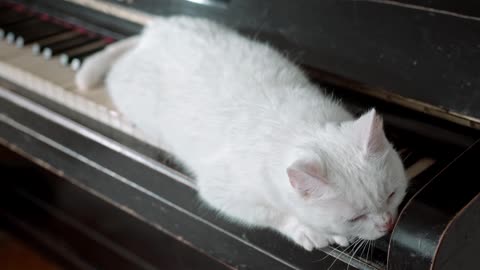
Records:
x=389, y=223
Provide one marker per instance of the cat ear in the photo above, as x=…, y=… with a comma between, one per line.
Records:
x=306, y=178
x=369, y=129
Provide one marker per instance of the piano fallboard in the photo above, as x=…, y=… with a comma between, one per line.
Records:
x=421, y=54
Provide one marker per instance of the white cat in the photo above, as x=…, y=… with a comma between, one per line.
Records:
x=266, y=146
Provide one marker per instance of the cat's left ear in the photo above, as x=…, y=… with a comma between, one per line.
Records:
x=369, y=131
x=307, y=178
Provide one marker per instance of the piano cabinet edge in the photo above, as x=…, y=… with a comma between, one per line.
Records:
x=439, y=228
x=443, y=228
x=463, y=167
x=172, y=212
x=64, y=230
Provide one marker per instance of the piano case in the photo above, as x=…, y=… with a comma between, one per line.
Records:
x=91, y=193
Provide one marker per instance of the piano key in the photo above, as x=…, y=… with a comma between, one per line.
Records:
x=7, y=51
x=76, y=63
x=14, y=29
x=39, y=45
x=60, y=47
x=5, y=29
x=420, y=166
x=42, y=31
x=56, y=73
x=55, y=82
x=66, y=57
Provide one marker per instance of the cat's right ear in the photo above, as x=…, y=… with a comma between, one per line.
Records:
x=370, y=134
x=306, y=177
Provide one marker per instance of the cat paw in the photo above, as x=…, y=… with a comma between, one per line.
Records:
x=303, y=235
x=340, y=240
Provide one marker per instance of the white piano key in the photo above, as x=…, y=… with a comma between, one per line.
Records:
x=56, y=82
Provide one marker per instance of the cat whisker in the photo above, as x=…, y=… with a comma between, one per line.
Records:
x=373, y=248
x=370, y=255
x=324, y=257
x=408, y=155
x=341, y=252
x=351, y=246
x=363, y=249
x=362, y=242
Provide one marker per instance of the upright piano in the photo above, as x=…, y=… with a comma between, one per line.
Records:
x=85, y=186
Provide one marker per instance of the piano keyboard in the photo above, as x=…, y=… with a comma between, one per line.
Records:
x=41, y=54
x=43, y=60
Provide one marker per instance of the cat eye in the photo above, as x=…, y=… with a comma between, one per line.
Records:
x=357, y=218
x=390, y=196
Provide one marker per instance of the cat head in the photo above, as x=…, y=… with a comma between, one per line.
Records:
x=349, y=181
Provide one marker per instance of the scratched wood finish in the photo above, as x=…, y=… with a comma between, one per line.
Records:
x=116, y=176
x=423, y=54
x=18, y=255
x=469, y=9
x=439, y=226
x=319, y=39
x=54, y=211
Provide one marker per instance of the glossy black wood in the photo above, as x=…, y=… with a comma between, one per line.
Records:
x=82, y=51
x=416, y=53
x=439, y=226
x=70, y=44
x=269, y=250
x=168, y=189
x=154, y=197
x=8, y=17
x=89, y=19
x=41, y=30
x=427, y=54
x=39, y=45
x=465, y=8
x=85, y=231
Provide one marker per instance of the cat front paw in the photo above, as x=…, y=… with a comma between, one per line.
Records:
x=340, y=240
x=304, y=236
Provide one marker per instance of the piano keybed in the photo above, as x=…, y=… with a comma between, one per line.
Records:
x=46, y=64
x=44, y=60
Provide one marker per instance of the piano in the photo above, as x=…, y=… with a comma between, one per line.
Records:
x=86, y=187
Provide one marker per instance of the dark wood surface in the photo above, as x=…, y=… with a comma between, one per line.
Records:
x=84, y=232
x=426, y=51
x=16, y=254
x=421, y=51
x=93, y=184
x=439, y=225
x=149, y=194
x=94, y=206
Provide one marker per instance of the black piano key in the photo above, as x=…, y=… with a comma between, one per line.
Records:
x=76, y=62
x=39, y=45
x=41, y=31
x=25, y=26
x=66, y=57
x=63, y=46
x=6, y=26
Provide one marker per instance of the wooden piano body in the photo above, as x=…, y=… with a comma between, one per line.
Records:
x=86, y=187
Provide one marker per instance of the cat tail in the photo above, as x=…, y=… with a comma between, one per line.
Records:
x=95, y=67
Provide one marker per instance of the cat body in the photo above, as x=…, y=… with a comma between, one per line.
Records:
x=266, y=146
